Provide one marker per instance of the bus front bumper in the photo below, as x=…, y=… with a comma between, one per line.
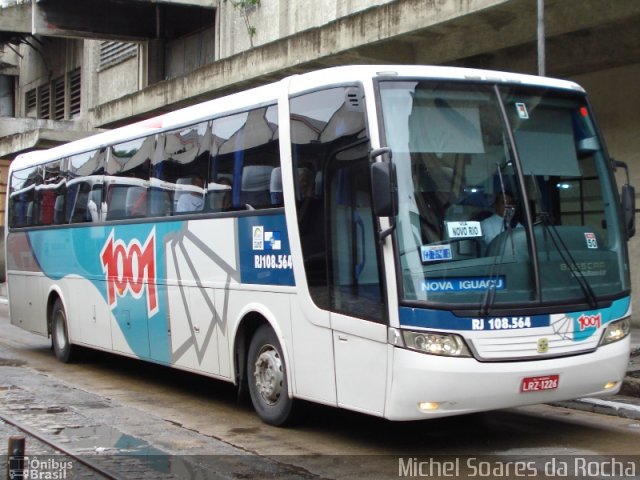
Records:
x=427, y=386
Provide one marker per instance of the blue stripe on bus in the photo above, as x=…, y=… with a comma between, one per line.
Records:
x=584, y=323
x=445, y=320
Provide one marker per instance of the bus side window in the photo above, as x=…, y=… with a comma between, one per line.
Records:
x=128, y=170
x=248, y=153
x=179, y=169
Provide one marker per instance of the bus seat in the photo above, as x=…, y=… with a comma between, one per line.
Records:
x=47, y=201
x=94, y=204
x=58, y=211
x=275, y=187
x=29, y=214
x=318, y=185
x=219, y=193
x=254, y=187
x=136, y=203
x=116, y=199
x=159, y=202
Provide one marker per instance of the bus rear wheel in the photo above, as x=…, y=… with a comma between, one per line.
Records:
x=64, y=350
x=267, y=378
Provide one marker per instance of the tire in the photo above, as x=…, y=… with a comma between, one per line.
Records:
x=267, y=378
x=64, y=350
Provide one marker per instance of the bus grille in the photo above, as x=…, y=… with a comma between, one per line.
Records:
x=530, y=344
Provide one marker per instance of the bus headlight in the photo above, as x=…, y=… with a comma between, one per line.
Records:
x=445, y=344
x=616, y=331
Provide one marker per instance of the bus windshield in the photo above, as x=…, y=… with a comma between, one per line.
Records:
x=505, y=196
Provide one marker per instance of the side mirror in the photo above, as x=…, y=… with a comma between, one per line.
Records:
x=384, y=189
x=384, y=185
x=628, y=197
x=628, y=200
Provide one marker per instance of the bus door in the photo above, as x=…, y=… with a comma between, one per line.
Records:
x=330, y=146
x=358, y=310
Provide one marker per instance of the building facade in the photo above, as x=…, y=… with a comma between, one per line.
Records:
x=69, y=69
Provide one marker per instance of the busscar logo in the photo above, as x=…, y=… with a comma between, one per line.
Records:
x=130, y=269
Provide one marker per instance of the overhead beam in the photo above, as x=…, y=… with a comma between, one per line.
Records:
x=13, y=145
x=16, y=18
x=124, y=21
x=191, y=3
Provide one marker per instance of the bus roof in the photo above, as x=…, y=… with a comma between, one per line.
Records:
x=269, y=93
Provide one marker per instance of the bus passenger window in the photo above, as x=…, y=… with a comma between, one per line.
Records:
x=128, y=172
x=248, y=152
x=179, y=170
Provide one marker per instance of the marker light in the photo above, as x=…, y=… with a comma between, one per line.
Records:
x=428, y=406
x=610, y=385
x=444, y=344
x=616, y=331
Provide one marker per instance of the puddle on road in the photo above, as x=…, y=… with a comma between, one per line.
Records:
x=106, y=441
x=11, y=362
x=243, y=430
x=102, y=439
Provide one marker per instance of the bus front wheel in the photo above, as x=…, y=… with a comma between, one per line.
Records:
x=64, y=350
x=267, y=378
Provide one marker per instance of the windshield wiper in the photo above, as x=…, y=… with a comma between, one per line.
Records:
x=490, y=292
x=562, y=249
x=567, y=258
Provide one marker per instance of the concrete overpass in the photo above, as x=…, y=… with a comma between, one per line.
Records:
x=582, y=36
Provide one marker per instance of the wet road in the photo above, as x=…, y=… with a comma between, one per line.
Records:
x=108, y=403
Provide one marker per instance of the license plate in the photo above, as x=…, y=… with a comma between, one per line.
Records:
x=539, y=384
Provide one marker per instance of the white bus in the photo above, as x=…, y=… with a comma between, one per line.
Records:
x=339, y=245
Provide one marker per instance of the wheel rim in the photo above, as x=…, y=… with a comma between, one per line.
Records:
x=59, y=331
x=269, y=375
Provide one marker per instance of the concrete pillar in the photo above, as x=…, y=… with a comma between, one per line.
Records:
x=6, y=96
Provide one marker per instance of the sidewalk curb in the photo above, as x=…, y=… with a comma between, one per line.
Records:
x=603, y=407
x=625, y=404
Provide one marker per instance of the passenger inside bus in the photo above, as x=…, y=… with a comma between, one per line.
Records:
x=504, y=216
x=191, y=200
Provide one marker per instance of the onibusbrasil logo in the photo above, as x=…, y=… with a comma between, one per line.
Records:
x=39, y=468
